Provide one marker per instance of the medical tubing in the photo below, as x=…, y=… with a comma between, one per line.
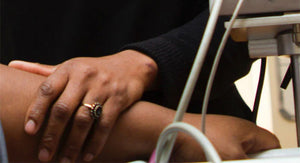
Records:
x=197, y=65
x=216, y=63
x=194, y=74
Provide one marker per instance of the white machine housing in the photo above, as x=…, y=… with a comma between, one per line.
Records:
x=259, y=6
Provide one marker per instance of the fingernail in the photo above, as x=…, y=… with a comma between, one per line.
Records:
x=88, y=157
x=65, y=160
x=30, y=127
x=44, y=155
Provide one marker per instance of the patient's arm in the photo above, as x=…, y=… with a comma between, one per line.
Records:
x=135, y=133
x=131, y=136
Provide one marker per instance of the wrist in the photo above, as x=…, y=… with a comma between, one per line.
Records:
x=145, y=65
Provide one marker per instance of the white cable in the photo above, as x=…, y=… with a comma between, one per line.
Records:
x=216, y=63
x=196, y=68
x=209, y=150
x=197, y=65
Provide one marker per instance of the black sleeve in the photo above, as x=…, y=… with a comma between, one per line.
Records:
x=174, y=53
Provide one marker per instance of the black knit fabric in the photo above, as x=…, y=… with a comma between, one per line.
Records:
x=169, y=31
x=175, y=52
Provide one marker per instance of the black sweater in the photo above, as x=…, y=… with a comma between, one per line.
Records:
x=169, y=31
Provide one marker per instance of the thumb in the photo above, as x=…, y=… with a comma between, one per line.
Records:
x=35, y=68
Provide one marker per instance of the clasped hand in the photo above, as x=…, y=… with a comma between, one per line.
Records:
x=114, y=81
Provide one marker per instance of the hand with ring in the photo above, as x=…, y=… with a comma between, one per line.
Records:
x=91, y=92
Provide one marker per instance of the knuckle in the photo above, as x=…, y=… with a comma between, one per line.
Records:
x=82, y=121
x=115, y=87
x=119, y=89
x=104, y=79
x=61, y=111
x=35, y=114
x=116, y=91
x=88, y=70
x=49, y=141
x=46, y=89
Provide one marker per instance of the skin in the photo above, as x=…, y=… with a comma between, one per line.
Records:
x=134, y=134
x=115, y=81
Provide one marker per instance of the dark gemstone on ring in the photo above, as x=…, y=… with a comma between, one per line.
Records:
x=98, y=110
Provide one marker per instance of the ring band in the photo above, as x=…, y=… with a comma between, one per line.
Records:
x=95, y=109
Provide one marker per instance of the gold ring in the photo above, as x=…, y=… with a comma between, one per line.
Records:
x=95, y=109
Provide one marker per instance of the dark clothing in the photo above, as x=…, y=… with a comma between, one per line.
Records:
x=169, y=31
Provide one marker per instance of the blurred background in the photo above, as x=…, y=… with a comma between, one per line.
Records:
x=276, y=110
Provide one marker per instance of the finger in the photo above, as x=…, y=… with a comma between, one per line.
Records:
x=47, y=93
x=80, y=128
x=36, y=68
x=60, y=114
x=102, y=128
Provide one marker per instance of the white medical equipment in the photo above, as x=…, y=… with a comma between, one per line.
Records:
x=271, y=27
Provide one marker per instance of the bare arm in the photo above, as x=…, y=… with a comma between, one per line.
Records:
x=17, y=88
x=135, y=132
